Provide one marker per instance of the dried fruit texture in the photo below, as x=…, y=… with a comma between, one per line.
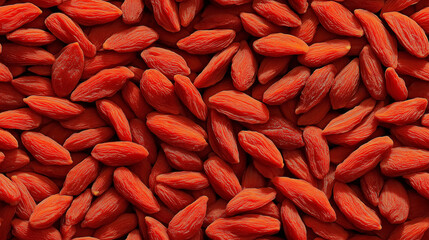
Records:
x=131, y=40
x=413, y=66
x=134, y=235
x=30, y=37
x=181, y=159
x=92, y=12
x=23, y=230
x=186, y=180
x=15, y=54
x=80, y=176
x=105, y=59
x=188, y=11
x=177, y=131
x=261, y=148
x=190, y=96
x=88, y=138
x=354, y=209
x=394, y=204
x=66, y=30
x=371, y=184
x=395, y=5
x=88, y=119
x=415, y=228
x=16, y=15
x=174, y=199
x=134, y=190
x=425, y=120
x=320, y=54
x=26, y=204
x=279, y=45
x=40, y=187
x=301, y=6
x=206, y=41
x=166, y=61
x=372, y=73
x=158, y=91
x=103, y=181
x=421, y=17
x=244, y=67
x=402, y=113
x=317, y=151
x=67, y=70
x=132, y=11
x=410, y=135
x=222, y=177
x=395, y=85
x=271, y=67
x=33, y=85
x=8, y=213
x=134, y=98
x=381, y=41
x=257, y=26
x=143, y=136
x=327, y=183
x=78, y=208
x=56, y=171
x=21, y=119
x=409, y=33
x=249, y=199
x=281, y=131
x=122, y=225
x=239, y=106
x=345, y=85
x=7, y=140
x=316, y=114
x=287, y=87
x=166, y=14
x=119, y=153
x=164, y=215
x=197, y=116
x=216, y=68
x=155, y=229
x=10, y=192
x=268, y=172
x=219, y=21
x=308, y=198
x=307, y=29
x=49, y=211
x=277, y=12
x=326, y=230
x=104, y=208
x=347, y=121
x=248, y=226
x=293, y=225
x=103, y=84
x=214, y=211
x=186, y=223
x=41, y=70
x=337, y=19
x=116, y=117
x=316, y=88
x=45, y=150
x=222, y=137
x=5, y=74
x=419, y=181
x=404, y=160
x=297, y=165
x=53, y=107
